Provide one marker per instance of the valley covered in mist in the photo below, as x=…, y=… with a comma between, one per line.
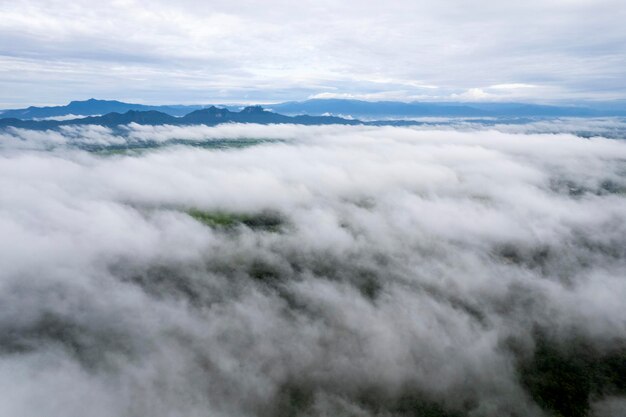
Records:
x=451, y=269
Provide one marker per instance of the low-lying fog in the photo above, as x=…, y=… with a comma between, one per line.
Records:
x=311, y=271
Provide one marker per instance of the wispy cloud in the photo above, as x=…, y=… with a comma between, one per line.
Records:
x=512, y=86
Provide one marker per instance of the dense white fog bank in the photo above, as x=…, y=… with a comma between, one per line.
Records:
x=326, y=271
x=94, y=137
x=612, y=127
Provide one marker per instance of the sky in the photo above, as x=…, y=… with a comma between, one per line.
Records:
x=247, y=51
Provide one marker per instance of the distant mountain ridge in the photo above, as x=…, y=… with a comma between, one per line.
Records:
x=209, y=116
x=358, y=108
x=91, y=107
x=337, y=107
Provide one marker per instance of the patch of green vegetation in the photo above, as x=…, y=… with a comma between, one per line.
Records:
x=293, y=400
x=263, y=271
x=612, y=187
x=410, y=403
x=137, y=148
x=298, y=399
x=565, y=378
x=268, y=221
x=118, y=150
x=215, y=218
x=90, y=346
x=370, y=288
x=530, y=257
x=415, y=406
x=573, y=189
x=162, y=281
x=230, y=143
x=368, y=282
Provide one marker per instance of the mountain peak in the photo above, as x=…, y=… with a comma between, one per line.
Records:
x=253, y=110
x=88, y=101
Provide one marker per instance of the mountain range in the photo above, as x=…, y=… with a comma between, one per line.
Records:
x=92, y=107
x=208, y=116
x=378, y=109
x=324, y=107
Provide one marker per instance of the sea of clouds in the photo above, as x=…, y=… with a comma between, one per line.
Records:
x=415, y=272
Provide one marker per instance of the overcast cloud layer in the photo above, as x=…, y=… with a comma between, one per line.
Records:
x=214, y=51
x=408, y=269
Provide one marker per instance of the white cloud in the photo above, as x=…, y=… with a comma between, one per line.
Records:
x=473, y=94
x=66, y=117
x=379, y=96
x=511, y=86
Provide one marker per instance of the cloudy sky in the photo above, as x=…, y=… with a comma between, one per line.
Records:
x=248, y=51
